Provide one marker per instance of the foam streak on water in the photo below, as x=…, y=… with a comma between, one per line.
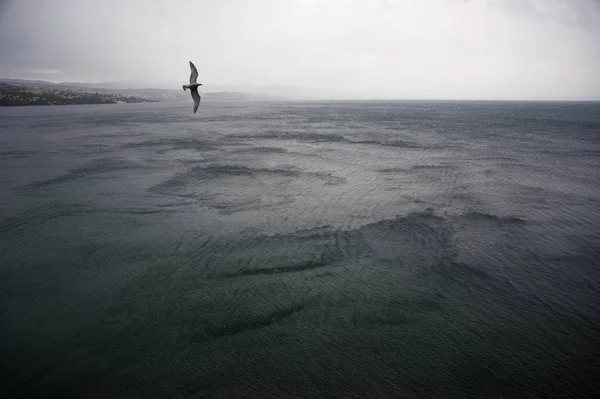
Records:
x=351, y=249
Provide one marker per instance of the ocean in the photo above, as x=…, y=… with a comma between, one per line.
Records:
x=409, y=249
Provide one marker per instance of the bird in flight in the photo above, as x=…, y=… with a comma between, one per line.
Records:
x=193, y=86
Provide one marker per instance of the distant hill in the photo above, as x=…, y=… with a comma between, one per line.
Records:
x=21, y=82
x=104, y=85
x=112, y=91
x=42, y=94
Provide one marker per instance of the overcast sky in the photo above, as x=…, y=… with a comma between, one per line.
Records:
x=504, y=49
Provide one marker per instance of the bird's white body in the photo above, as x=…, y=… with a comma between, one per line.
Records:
x=194, y=85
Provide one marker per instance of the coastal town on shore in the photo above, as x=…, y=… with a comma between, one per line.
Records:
x=37, y=94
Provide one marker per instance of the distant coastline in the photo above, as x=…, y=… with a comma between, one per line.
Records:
x=36, y=94
x=20, y=92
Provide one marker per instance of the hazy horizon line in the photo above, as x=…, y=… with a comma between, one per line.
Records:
x=291, y=97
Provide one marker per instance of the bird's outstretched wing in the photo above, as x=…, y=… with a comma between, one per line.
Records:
x=196, y=98
x=194, y=74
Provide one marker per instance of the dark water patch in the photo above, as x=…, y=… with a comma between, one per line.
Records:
x=213, y=172
x=192, y=161
x=124, y=133
x=95, y=168
x=318, y=231
x=118, y=119
x=280, y=255
x=299, y=136
x=324, y=275
x=392, y=170
x=97, y=148
x=250, y=324
x=417, y=168
x=410, y=198
x=402, y=310
x=434, y=167
x=392, y=242
x=196, y=390
x=328, y=178
x=487, y=218
x=18, y=154
x=139, y=211
x=588, y=152
x=424, y=217
x=460, y=272
x=174, y=205
x=263, y=150
x=39, y=215
x=241, y=170
x=229, y=207
x=389, y=143
x=72, y=268
x=416, y=236
x=169, y=144
x=298, y=267
x=192, y=179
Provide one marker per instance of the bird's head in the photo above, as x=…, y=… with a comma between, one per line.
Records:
x=183, y=87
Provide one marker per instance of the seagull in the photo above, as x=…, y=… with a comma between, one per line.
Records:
x=193, y=86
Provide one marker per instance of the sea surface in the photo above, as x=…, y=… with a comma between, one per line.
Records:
x=300, y=250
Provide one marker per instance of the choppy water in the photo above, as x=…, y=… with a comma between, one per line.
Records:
x=306, y=250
